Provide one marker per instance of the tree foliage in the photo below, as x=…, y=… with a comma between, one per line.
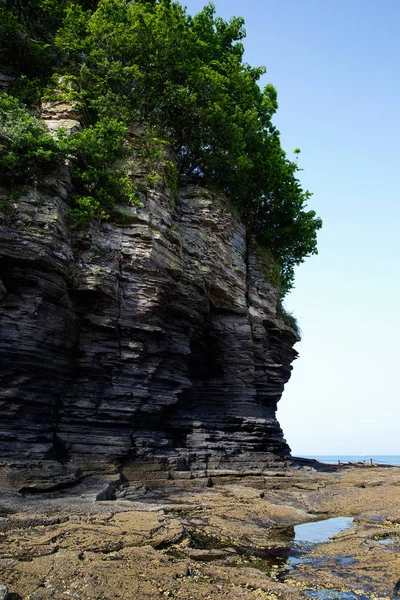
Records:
x=150, y=61
x=26, y=147
x=97, y=180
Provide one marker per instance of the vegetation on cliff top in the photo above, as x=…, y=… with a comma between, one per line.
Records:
x=150, y=61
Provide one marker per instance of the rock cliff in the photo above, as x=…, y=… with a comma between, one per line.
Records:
x=150, y=347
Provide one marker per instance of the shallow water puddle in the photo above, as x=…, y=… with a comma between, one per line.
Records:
x=298, y=541
x=303, y=537
x=279, y=561
x=310, y=534
x=335, y=595
x=389, y=540
x=321, y=531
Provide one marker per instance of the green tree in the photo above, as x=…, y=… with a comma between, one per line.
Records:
x=26, y=148
x=152, y=62
x=27, y=50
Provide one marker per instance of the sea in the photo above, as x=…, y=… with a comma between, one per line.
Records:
x=376, y=459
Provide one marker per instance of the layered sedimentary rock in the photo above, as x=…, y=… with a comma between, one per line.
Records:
x=148, y=346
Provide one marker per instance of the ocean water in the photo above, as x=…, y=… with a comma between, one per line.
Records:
x=376, y=459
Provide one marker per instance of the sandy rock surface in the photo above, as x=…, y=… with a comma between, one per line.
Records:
x=190, y=541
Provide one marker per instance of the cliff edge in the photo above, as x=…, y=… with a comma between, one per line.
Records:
x=145, y=347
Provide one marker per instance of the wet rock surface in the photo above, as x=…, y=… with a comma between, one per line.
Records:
x=185, y=540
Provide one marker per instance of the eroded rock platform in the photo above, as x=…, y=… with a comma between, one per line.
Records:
x=185, y=540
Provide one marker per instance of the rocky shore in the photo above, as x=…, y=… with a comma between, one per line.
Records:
x=225, y=537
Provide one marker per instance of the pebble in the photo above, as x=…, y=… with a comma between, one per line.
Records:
x=3, y=592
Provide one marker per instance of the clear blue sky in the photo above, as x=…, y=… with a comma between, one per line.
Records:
x=336, y=67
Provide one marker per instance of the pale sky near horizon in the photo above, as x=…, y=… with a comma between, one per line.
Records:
x=336, y=66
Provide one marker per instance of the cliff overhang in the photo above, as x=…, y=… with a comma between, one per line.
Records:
x=143, y=347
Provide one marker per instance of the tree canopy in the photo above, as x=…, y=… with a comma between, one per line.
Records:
x=150, y=61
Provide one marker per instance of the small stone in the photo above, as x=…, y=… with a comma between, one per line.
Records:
x=3, y=592
x=206, y=555
x=108, y=493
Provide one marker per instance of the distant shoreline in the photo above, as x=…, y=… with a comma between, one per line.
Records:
x=334, y=459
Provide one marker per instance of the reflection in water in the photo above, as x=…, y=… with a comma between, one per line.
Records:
x=335, y=595
x=321, y=531
x=309, y=534
x=315, y=532
x=274, y=559
x=386, y=541
x=298, y=540
x=282, y=533
x=292, y=543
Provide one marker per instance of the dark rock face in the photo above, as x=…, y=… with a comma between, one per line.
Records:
x=151, y=348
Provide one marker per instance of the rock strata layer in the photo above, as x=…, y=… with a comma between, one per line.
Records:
x=150, y=347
